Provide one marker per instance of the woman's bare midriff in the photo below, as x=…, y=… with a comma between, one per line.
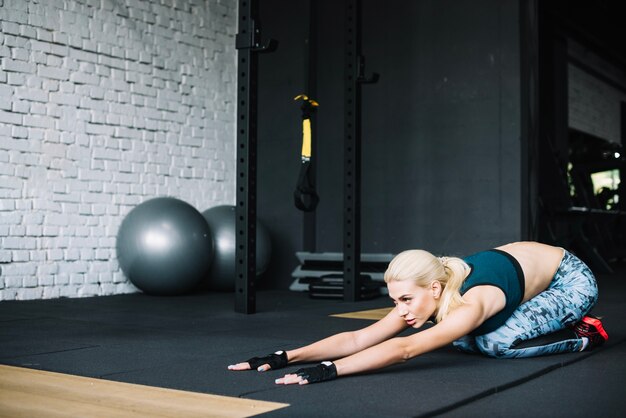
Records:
x=539, y=263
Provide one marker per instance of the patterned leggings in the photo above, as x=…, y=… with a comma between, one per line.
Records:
x=571, y=294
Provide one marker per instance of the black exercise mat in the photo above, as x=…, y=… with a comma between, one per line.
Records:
x=187, y=343
x=591, y=388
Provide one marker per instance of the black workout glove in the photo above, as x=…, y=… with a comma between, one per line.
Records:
x=323, y=371
x=278, y=360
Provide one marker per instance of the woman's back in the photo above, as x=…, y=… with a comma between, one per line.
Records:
x=539, y=263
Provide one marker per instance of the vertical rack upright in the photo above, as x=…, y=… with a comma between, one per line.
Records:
x=245, y=254
x=354, y=78
x=248, y=46
x=352, y=156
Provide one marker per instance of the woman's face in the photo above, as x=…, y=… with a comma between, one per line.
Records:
x=414, y=304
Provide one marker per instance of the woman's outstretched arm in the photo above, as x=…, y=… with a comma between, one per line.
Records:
x=457, y=324
x=341, y=345
x=397, y=350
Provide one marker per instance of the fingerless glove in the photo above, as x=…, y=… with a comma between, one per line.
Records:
x=323, y=371
x=278, y=360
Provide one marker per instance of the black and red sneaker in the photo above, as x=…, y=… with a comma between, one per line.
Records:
x=591, y=328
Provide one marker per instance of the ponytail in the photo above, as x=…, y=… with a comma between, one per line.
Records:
x=456, y=271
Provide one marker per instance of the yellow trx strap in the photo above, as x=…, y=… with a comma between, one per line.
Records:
x=305, y=196
x=306, y=139
x=308, y=107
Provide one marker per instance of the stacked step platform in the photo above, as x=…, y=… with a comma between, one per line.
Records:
x=321, y=274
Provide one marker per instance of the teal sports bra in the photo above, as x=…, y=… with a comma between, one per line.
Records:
x=500, y=269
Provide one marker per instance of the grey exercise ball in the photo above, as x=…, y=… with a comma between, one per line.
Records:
x=221, y=220
x=164, y=246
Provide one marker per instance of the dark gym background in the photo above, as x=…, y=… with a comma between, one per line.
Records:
x=449, y=159
x=441, y=129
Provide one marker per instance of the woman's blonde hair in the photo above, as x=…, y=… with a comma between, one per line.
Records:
x=424, y=268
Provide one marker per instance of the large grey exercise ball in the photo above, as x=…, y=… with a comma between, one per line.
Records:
x=222, y=220
x=164, y=246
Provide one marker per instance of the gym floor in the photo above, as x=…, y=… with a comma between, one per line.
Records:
x=187, y=342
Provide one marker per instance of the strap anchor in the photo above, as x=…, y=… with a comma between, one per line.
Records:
x=360, y=77
x=250, y=38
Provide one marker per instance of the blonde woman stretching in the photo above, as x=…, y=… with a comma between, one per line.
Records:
x=486, y=303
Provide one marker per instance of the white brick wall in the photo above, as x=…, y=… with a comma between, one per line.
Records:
x=105, y=104
x=594, y=104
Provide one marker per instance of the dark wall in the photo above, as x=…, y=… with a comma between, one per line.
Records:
x=440, y=134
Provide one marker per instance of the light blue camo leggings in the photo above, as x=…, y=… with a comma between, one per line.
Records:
x=571, y=294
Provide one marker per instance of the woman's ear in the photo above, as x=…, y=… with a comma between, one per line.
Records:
x=436, y=288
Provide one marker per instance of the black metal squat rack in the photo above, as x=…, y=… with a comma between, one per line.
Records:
x=248, y=43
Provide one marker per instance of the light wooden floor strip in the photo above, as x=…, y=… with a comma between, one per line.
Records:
x=35, y=393
x=374, y=314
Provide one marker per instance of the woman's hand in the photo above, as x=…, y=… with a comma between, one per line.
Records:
x=320, y=373
x=291, y=379
x=240, y=366
x=274, y=361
